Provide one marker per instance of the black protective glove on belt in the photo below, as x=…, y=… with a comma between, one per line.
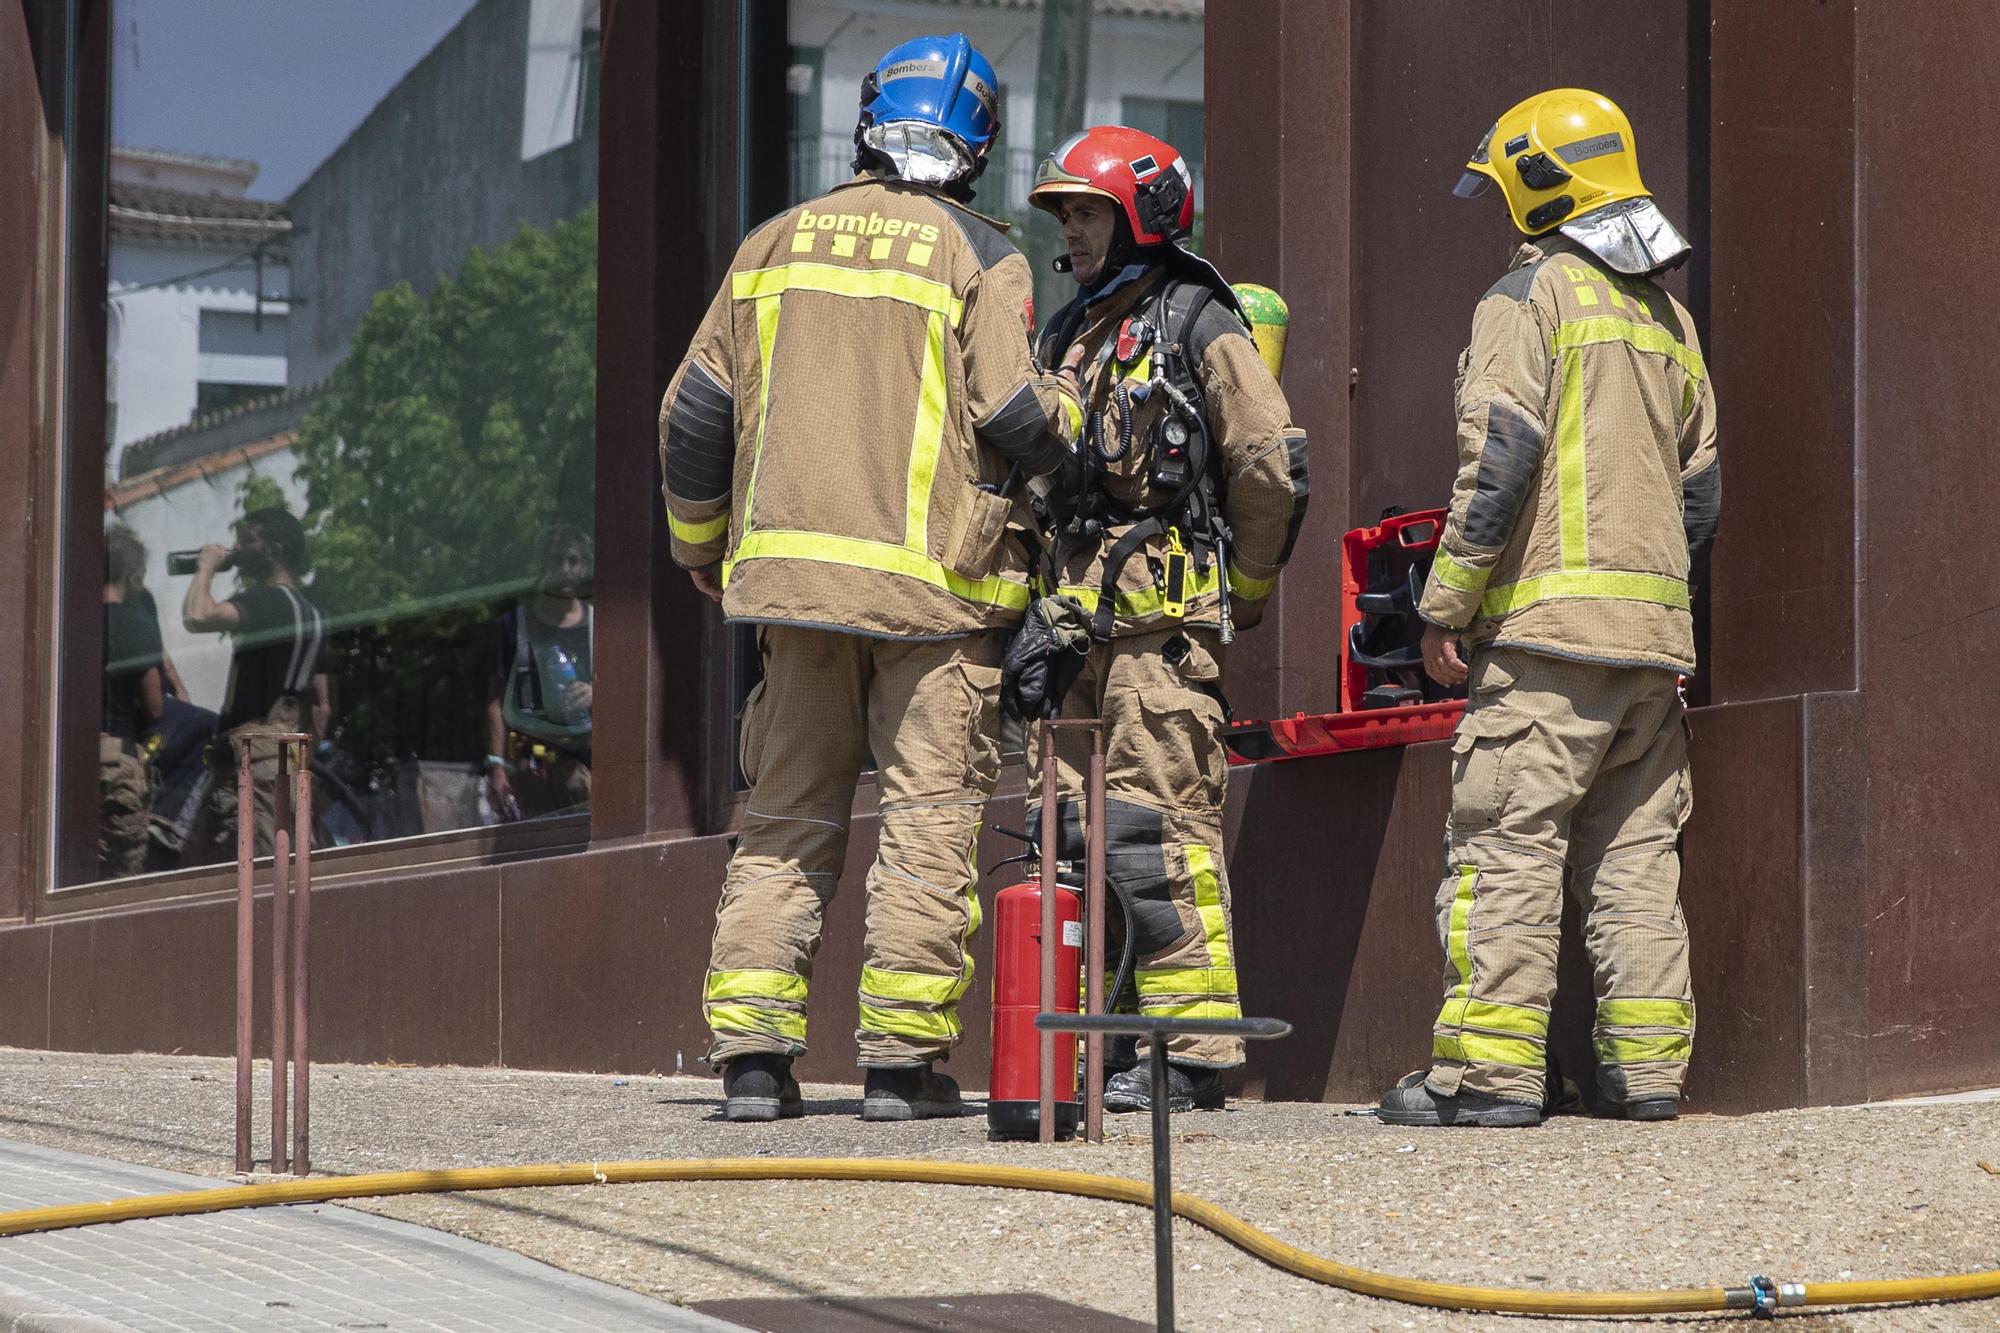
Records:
x=1044, y=658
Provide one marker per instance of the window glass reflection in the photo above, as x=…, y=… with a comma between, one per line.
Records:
x=350, y=415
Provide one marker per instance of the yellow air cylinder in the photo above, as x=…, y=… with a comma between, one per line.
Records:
x=1269, y=318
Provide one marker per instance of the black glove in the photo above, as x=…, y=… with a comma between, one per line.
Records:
x=1044, y=658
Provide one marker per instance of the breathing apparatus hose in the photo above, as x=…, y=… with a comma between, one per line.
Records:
x=1761, y=1295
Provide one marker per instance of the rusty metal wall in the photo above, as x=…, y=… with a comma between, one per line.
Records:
x=1928, y=413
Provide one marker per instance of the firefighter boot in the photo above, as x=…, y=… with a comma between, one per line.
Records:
x=1412, y=1102
x=910, y=1092
x=760, y=1087
x=1189, y=1088
x=1652, y=1108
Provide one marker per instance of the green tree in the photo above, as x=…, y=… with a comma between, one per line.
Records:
x=258, y=492
x=458, y=426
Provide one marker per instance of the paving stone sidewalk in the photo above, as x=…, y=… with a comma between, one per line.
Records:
x=306, y=1266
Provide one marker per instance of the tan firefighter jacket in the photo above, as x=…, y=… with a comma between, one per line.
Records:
x=1259, y=458
x=849, y=411
x=1588, y=480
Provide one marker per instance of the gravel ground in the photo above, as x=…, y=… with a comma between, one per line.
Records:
x=1578, y=1204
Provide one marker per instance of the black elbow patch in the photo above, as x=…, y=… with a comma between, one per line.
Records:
x=1508, y=463
x=1295, y=464
x=1019, y=432
x=701, y=438
x=1701, y=507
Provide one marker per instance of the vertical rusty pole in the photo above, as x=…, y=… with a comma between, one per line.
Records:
x=246, y=948
x=302, y=814
x=1093, y=963
x=1046, y=1127
x=281, y=995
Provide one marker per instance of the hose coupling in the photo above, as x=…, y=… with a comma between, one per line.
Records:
x=1764, y=1296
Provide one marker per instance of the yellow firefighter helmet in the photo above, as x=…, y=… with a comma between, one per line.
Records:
x=1555, y=156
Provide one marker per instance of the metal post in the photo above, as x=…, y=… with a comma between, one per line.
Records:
x=1163, y=1191
x=1046, y=1109
x=1156, y=1031
x=1093, y=959
x=281, y=995
x=302, y=812
x=246, y=946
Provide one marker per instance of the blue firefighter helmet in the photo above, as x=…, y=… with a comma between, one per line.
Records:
x=931, y=108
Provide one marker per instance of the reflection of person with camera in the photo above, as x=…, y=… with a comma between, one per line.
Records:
x=277, y=677
x=541, y=686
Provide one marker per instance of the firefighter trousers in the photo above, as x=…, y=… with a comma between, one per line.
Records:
x=927, y=712
x=1165, y=772
x=1564, y=770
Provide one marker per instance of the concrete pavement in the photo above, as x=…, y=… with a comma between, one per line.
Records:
x=302, y=1267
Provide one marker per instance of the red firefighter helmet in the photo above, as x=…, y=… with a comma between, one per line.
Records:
x=1144, y=176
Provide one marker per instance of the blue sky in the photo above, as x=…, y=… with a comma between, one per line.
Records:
x=282, y=82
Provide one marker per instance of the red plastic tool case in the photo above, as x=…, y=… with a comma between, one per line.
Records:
x=1354, y=727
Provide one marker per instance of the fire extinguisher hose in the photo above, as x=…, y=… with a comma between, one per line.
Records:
x=1761, y=1294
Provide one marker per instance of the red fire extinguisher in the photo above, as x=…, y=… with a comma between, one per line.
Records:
x=1013, y=1110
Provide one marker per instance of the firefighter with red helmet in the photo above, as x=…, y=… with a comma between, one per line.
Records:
x=1165, y=540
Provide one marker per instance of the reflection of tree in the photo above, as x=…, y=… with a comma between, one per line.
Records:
x=458, y=425
x=1064, y=65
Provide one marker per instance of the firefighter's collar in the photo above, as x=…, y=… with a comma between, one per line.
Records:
x=1129, y=276
x=918, y=187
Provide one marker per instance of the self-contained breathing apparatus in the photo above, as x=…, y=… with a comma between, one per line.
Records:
x=1079, y=507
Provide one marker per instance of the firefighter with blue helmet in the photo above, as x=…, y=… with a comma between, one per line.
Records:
x=844, y=450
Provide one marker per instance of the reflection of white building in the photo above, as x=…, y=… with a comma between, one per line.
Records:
x=190, y=257
x=1146, y=69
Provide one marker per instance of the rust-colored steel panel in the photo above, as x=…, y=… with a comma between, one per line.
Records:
x=1833, y=853
x=1930, y=412
x=602, y=957
x=24, y=986
x=1276, y=213
x=161, y=979
x=1782, y=348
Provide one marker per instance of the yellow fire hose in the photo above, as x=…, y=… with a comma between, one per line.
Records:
x=1762, y=1295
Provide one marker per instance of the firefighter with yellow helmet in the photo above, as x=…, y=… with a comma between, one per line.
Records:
x=1170, y=536
x=843, y=449
x=1587, y=495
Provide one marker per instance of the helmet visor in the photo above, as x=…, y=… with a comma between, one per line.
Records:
x=1474, y=183
x=1471, y=185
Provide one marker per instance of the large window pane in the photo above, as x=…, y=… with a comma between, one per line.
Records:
x=351, y=347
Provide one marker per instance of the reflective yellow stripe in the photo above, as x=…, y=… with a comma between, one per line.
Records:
x=860, y=553
x=1454, y=573
x=1474, y=1046
x=1193, y=1009
x=926, y=440
x=1645, y=1014
x=759, y=983
x=1653, y=588
x=1142, y=602
x=1187, y=981
x=1460, y=1011
x=1242, y=585
x=694, y=534
x=767, y=341
x=914, y=987
x=1454, y=936
x=1073, y=413
x=1643, y=1050
x=922, y=1024
x=756, y=1019
x=895, y=284
x=1571, y=503
x=1208, y=902
x=1645, y=337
